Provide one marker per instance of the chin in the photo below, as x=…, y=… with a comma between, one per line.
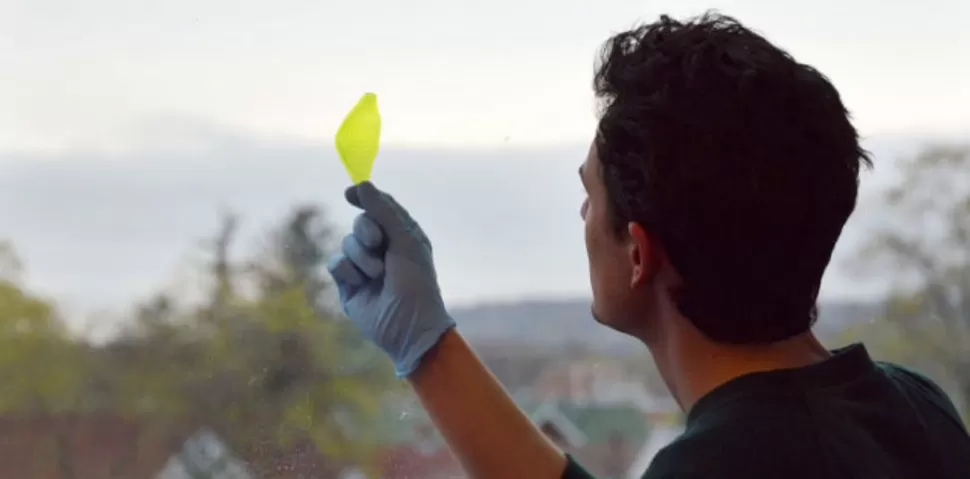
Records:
x=607, y=319
x=596, y=315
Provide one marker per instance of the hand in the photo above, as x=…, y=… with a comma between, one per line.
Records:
x=387, y=282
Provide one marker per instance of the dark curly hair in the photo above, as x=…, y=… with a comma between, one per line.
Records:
x=740, y=159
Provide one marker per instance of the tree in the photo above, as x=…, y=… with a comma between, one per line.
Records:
x=42, y=368
x=264, y=359
x=925, y=247
x=328, y=377
x=38, y=360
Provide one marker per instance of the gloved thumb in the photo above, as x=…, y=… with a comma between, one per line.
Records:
x=378, y=205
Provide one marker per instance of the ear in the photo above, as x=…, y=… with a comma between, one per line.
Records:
x=641, y=252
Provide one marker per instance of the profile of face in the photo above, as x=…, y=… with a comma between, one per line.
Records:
x=622, y=265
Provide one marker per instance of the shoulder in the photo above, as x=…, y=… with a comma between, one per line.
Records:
x=741, y=441
x=670, y=463
x=910, y=377
x=920, y=386
x=692, y=455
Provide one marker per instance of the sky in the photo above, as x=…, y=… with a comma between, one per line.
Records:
x=107, y=73
x=126, y=125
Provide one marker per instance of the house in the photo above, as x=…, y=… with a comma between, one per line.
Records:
x=93, y=446
x=597, y=410
x=105, y=446
x=204, y=454
x=407, y=462
x=605, y=438
x=596, y=394
x=611, y=439
x=301, y=460
x=410, y=447
x=600, y=381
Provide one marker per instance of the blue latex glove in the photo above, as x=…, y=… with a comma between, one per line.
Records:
x=386, y=279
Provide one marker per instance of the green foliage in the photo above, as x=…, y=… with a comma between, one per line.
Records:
x=264, y=368
x=38, y=363
x=263, y=359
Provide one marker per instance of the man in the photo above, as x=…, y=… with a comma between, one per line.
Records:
x=717, y=185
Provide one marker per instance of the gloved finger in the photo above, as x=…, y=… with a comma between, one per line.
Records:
x=368, y=232
x=344, y=272
x=366, y=262
x=378, y=205
x=350, y=194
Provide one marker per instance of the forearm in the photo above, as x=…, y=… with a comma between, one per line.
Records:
x=485, y=429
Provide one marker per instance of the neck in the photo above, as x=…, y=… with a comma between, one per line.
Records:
x=693, y=365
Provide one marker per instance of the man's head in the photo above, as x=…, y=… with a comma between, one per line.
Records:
x=720, y=179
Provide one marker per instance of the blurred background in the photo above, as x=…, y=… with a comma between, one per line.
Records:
x=169, y=192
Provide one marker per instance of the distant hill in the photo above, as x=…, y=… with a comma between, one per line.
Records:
x=556, y=324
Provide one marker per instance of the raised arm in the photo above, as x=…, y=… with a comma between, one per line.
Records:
x=485, y=429
x=388, y=288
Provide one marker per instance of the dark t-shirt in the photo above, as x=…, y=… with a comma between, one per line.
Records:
x=844, y=418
